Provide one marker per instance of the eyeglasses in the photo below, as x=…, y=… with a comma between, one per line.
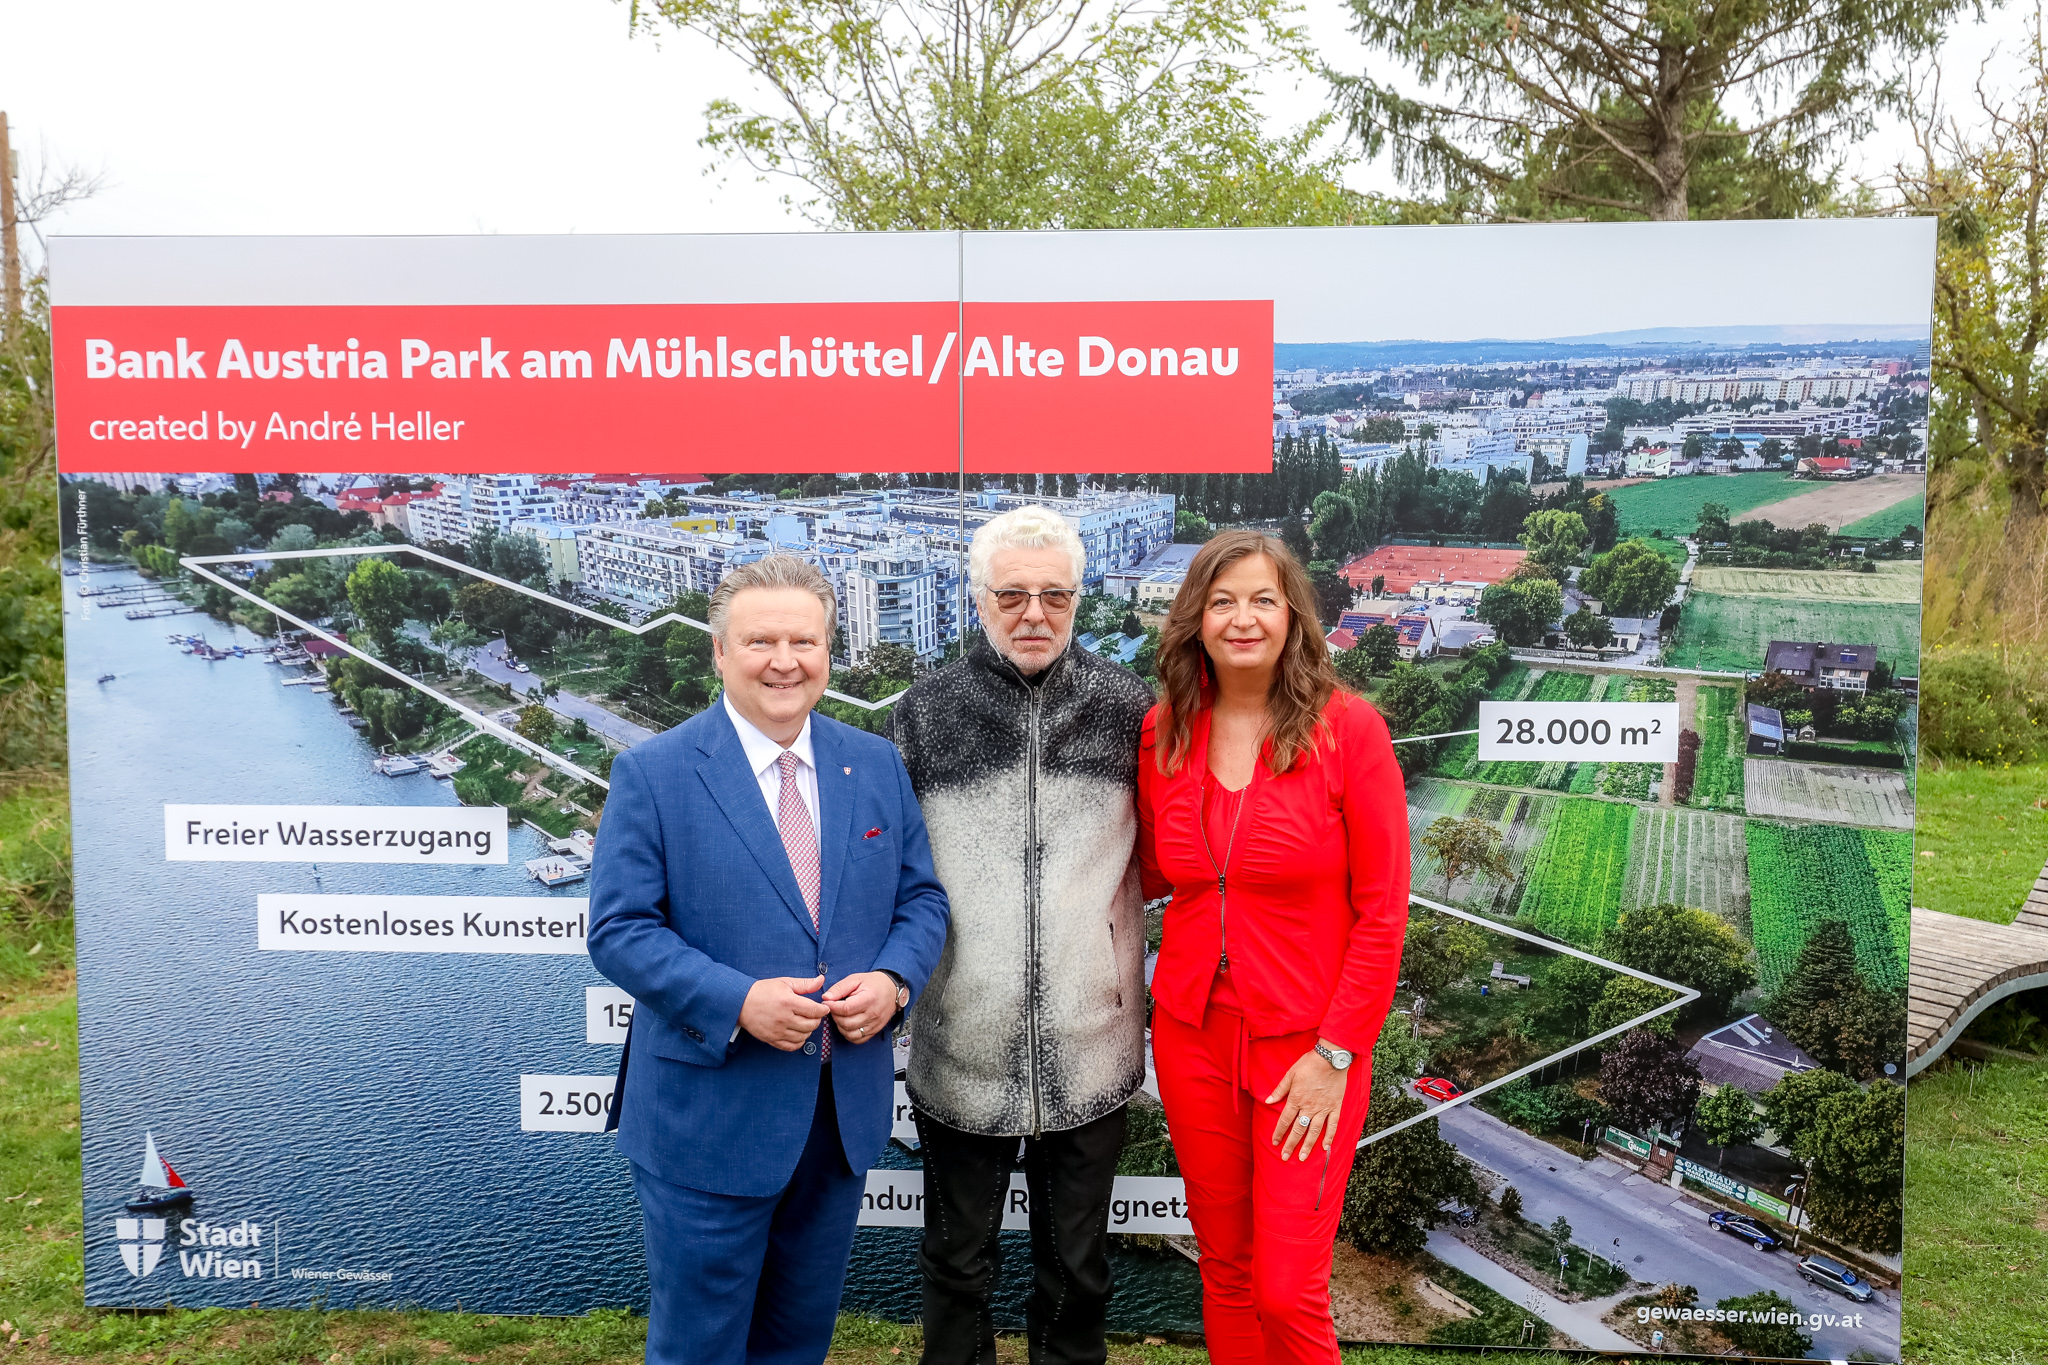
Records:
x=1011, y=601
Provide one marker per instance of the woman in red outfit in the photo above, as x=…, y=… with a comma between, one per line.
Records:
x=1270, y=806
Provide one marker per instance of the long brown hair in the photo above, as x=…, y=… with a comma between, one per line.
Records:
x=1302, y=683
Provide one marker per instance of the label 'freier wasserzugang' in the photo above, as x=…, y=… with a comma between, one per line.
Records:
x=462, y=835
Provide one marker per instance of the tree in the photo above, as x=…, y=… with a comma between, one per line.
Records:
x=1588, y=631
x=1464, y=847
x=1019, y=113
x=1437, y=951
x=536, y=723
x=1407, y=696
x=1569, y=991
x=1510, y=1202
x=1334, y=593
x=1857, y=1146
x=378, y=593
x=1728, y=1118
x=1399, y=1184
x=1191, y=528
x=1354, y=668
x=1623, y=109
x=1379, y=584
x=1695, y=948
x=1381, y=646
x=1777, y=1337
x=1631, y=579
x=1647, y=1080
x=1989, y=423
x=1713, y=523
x=1521, y=609
x=1554, y=538
x=1624, y=998
x=1827, y=1007
x=1792, y=1106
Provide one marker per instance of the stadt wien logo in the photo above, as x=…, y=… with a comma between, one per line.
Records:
x=159, y=1217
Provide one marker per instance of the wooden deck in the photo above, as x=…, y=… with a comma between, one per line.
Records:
x=1960, y=967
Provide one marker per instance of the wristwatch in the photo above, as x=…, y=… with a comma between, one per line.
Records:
x=902, y=989
x=1337, y=1057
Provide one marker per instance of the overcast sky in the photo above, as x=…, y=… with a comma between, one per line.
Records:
x=440, y=116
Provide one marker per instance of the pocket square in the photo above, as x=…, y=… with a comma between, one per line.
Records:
x=872, y=833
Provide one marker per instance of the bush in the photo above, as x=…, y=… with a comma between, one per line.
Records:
x=1981, y=706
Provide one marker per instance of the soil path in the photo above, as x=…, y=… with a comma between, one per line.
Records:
x=1688, y=693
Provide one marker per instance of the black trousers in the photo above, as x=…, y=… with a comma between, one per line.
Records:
x=966, y=1185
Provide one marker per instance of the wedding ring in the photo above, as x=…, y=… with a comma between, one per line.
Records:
x=1301, y=1122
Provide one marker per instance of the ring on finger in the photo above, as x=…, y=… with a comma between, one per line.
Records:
x=1302, y=1122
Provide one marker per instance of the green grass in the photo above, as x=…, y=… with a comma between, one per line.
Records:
x=35, y=879
x=1800, y=875
x=1891, y=520
x=1573, y=887
x=1977, y=1215
x=41, y=1277
x=1980, y=837
x=1717, y=779
x=1730, y=634
x=1673, y=505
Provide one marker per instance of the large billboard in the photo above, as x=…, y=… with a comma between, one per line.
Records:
x=381, y=550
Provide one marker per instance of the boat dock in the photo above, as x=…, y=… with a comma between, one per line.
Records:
x=557, y=871
x=397, y=765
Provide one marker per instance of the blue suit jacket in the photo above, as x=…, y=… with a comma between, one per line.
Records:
x=692, y=900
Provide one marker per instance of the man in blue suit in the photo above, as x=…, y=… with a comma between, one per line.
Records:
x=764, y=891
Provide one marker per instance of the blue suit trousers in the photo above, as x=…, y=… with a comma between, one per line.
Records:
x=742, y=1280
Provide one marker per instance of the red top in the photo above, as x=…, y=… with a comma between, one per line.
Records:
x=1317, y=886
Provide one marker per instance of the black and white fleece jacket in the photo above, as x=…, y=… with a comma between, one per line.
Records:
x=1034, y=1020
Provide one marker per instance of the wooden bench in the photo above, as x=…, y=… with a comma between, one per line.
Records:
x=1961, y=967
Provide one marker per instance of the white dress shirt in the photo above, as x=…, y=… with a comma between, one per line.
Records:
x=763, y=755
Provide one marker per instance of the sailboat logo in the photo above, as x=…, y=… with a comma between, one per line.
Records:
x=162, y=1187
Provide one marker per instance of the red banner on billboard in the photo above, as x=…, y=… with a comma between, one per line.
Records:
x=854, y=387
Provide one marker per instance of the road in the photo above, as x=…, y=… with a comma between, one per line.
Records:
x=490, y=661
x=1660, y=1235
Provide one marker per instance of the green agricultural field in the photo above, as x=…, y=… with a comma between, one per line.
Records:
x=1892, y=520
x=1574, y=882
x=1524, y=819
x=1694, y=858
x=1730, y=634
x=1673, y=505
x=1459, y=757
x=1895, y=580
x=1982, y=837
x=1717, y=718
x=1556, y=685
x=1802, y=874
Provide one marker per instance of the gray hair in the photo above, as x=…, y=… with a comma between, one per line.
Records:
x=1030, y=527
x=774, y=571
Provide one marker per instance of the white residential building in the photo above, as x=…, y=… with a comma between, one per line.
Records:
x=468, y=501
x=651, y=563
x=892, y=597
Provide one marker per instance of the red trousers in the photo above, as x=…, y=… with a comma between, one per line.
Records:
x=1265, y=1226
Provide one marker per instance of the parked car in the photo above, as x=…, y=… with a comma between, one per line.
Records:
x=1836, y=1276
x=1437, y=1088
x=1747, y=1228
x=520, y=668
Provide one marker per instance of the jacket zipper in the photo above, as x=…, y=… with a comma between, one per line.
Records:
x=1031, y=903
x=1222, y=872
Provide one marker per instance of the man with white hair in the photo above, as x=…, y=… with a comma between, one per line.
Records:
x=1030, y=1038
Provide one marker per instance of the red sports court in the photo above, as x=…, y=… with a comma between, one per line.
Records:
x=1406, y=565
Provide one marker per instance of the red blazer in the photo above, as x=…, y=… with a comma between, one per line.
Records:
x=1317, y=889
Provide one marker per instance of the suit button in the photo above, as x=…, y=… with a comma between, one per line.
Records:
x=823, y=968
x=810, y=1047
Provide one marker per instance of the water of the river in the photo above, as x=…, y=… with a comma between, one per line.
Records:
x=361, y=1108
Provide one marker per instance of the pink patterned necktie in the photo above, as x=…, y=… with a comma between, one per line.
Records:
x=800, y=842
